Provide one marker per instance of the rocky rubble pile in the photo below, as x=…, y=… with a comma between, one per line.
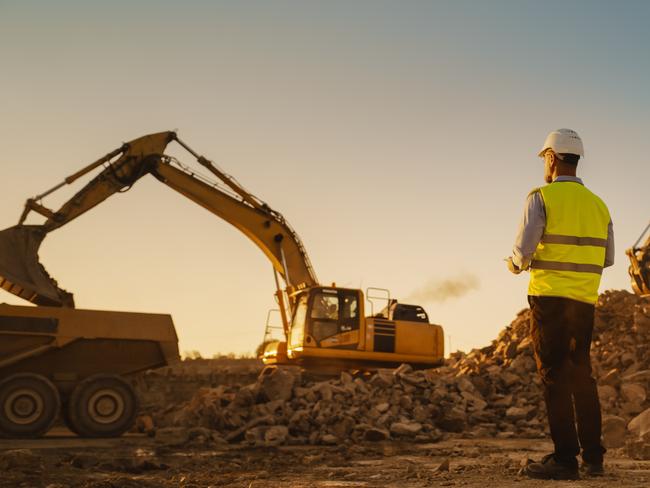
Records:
x=493, y=391
x=282, y=407
x=620, y=361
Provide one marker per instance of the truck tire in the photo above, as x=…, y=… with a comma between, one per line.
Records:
x=102, y=406
x=29, y=405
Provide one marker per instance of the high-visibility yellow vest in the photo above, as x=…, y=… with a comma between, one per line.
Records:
x=569, y=260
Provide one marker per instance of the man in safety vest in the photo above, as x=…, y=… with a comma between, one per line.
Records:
x=565, y=239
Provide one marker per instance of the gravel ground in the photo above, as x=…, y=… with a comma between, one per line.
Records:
x=62, y=460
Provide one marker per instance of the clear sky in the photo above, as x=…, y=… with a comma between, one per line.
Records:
x=398, y=138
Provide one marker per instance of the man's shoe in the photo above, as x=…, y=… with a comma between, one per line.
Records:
x=589, y=469
x=550, y=469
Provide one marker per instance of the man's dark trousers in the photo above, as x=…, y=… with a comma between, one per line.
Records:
x=561, y=330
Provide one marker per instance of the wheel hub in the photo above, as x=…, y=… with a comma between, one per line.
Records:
x=23, y=406
x=106, y=406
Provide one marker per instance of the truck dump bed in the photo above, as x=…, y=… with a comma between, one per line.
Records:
x=68, y=345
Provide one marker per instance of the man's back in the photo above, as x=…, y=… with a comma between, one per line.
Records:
x=570, y=255
x=571, y=206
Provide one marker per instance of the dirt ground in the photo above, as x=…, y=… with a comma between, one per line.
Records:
x=62, y=460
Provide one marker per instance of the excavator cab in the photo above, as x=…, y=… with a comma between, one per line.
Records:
x=327, y=317
x=329, y=329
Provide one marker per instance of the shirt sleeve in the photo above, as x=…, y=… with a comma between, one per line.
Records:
x=609, y=252
x=531, y=230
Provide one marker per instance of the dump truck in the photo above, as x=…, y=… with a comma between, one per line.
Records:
x=640, y=264
x=73, y=362
x=325, y=328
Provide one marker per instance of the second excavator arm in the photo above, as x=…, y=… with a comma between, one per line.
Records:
x=122, y=167
x=639, y=269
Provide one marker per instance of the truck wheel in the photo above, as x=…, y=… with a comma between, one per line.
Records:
x=29, y=405
x=102, y=406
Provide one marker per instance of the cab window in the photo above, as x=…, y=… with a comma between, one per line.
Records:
x=333, y=312
x=298, y=322
x=349, y=319
x=325, y=307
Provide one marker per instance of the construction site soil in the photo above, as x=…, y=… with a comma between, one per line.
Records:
x=61, y=461
x=476, y=421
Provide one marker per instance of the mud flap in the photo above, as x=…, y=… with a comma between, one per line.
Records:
x=22, y=274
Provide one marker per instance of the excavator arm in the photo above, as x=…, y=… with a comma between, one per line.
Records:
x=22, y=274
x=640, y=264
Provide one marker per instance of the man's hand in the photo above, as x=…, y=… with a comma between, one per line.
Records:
x=512, y=267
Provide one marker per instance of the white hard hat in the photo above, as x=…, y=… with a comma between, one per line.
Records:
x=563, y=141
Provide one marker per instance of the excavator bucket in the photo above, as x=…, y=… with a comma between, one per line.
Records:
x=21, y=272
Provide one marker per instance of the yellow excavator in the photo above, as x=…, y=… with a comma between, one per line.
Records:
x=640, y=264
x=325, y=328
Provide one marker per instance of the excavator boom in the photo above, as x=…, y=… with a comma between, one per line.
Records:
x=22, y=274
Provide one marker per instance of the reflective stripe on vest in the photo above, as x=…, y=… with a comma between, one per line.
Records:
x=560, y=266
x=576, y=241
x=569, y=259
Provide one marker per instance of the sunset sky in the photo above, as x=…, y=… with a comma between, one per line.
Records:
x=398, y=138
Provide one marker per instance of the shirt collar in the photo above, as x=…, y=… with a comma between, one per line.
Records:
x=574, y=179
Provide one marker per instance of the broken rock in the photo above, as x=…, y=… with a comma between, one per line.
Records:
x=614, y=431
x=633, y=393
x=276, y=435
x=517, y=413
x=640, y=425
x=329, y=439
x=375, y=434
x=607, y=393
x=453, y=420
x=277, y=383
x=405, y=428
